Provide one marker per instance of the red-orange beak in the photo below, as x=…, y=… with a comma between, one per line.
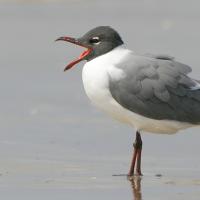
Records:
x=81, y=57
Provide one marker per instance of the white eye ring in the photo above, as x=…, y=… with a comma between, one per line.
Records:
x=95, y=40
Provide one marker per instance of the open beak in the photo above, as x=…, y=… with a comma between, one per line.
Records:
x=82, y=56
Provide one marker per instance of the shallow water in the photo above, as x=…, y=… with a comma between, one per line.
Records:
x=53, y=143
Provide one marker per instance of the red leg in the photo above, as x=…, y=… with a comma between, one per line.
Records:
x=138, y=168
x=136, y=156
x=131, y=171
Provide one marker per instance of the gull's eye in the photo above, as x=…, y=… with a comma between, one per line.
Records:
x=95, y=40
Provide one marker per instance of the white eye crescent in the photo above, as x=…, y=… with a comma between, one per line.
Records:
x=95, y=40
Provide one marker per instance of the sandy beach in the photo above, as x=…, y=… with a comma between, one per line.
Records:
x=53, y=143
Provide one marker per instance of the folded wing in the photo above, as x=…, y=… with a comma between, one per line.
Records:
x=158, y=87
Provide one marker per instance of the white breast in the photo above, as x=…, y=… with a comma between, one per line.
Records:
x=95, y=77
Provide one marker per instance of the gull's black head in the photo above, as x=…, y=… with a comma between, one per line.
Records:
x=97, y=41
x=101, y=39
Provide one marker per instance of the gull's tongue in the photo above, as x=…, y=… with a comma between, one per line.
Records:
x=80, y=58
x=85, y=53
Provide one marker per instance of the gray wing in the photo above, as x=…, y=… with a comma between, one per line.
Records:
x=158, y=87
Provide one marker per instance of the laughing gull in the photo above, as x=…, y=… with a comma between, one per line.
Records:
x=152, y=93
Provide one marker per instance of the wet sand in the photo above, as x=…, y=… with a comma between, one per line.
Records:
x=92, y=179
x=53, y=143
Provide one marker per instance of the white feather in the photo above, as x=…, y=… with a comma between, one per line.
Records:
x=196, y=85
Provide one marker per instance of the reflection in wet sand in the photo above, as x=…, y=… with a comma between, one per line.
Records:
x=136, y=187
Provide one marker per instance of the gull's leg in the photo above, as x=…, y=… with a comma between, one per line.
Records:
x=132, y=168
x=136, y=156
x=139, y=155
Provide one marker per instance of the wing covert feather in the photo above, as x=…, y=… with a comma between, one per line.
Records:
x=157, y=88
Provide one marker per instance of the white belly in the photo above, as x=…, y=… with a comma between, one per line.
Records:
x=95, y=77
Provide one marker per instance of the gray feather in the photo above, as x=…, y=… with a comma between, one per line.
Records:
x=160, y=56
x=157, y=87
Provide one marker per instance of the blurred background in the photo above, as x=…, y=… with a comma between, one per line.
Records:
x=53, y=142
